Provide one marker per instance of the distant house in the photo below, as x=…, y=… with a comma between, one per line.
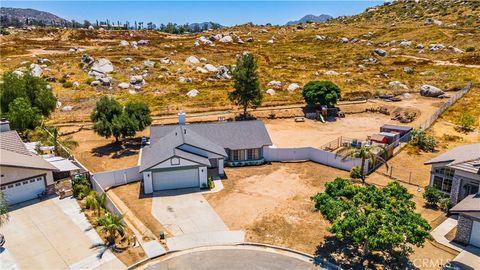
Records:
x=468, y=228
x=24, y=175
x=456, y=173
x=184, y=155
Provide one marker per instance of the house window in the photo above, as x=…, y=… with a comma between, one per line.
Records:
x=25, y=182
x=253, y=154
x=10, y=186
x=445, y=171
x=437, y=182
x=447, y=185
x=238, y=155
x=18, y=184
x=32, y=180
x=3, y=188
x=175, y=161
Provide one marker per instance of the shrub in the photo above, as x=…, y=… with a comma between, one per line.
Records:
x=423, y=141
x=67, y=84
x=4, y=32
x=465, y=122
x=210, y=182
x=470, y=49
x=445, y=204
x=89, y=80
x=81, y=187
x=355, y=172
x=432, y=195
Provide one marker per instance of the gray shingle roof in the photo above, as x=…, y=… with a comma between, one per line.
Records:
x=14, y=153
x=460, y=154
x=229, y=135
x=167, y=147
x=471, y=203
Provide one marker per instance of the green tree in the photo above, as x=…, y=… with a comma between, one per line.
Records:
x=246, y=83
x=375, y=219
x=112, y=225
x=22, y=116
x=102, y=116
x=140, y=112
x=372, y=153
x=34, y=89
x=423, y=141
x=321, y=93
x=95, y=202
x=124, y=126
x=465, y=122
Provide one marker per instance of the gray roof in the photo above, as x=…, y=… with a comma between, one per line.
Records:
x=229, y=135
x=13, y=153
x=460, y=154
x=167, y=147
x=471, y=203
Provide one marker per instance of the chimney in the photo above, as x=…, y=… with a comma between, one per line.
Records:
x=4, y=125
x=181, y=118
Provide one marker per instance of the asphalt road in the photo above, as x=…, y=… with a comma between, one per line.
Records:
x=233, y=259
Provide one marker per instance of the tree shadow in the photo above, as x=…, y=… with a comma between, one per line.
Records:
x=118, y=150
x=347, y=255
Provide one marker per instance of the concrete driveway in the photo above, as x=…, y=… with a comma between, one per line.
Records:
x=185, y=211
x=52, y=234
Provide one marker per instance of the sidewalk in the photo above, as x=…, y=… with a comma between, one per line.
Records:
x=439, y=233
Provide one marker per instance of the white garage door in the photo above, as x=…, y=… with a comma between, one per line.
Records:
x=175, y=179
x=475, y=236
x=24, y=191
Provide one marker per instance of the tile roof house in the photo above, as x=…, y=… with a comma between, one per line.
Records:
x=456, y=173
x=184, y=155
x=24, y=175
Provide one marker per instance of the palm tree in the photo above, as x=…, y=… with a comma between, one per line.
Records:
x=96, y=202
x=372, y=153
x=112, y=225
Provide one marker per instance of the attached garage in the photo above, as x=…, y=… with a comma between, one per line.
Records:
x=176, y=179
x=24, y=190
x=475, y=234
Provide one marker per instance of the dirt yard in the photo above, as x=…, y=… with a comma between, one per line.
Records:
x=276, y=207
x=356, y=125
x=99, y=154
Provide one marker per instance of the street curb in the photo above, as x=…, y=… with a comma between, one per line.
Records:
x=316, y=260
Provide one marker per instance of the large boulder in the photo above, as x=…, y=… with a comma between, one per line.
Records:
x=142, y=42
x=226, y=39
x=148, y=63
x=137, y=80
x=201, y=70
x=275, y=84
x=430, y=91
x=436, y=47
x=105, y=81
x=293, y=86
x=124, y=43
x=397, y=85
x=36, y=70
x=123, y=85
x=102, y=65
x=270, y=91
x=193, y=93
x=210, y=68
x=380, y=52
x=344, y=40
x=86, y=59
x=192, y=60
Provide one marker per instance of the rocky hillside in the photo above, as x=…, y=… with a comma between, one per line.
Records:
x=311, y=18
x=21, y=16
x=439, y=12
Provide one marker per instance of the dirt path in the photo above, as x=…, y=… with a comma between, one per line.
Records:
x=438, y=62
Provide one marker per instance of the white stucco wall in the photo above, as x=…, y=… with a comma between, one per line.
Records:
x=221, y=171
x=147, y=182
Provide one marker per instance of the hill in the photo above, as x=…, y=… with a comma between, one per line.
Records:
x=25, y=16
x=311, y=18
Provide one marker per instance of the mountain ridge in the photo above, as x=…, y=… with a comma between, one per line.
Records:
x=311, y=18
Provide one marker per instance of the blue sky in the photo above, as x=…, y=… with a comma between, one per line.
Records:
x=223, y=12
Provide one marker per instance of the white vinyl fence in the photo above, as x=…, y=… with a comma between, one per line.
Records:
x=118, y=177
x=312, y=154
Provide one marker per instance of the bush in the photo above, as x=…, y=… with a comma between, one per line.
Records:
x=423, y=141
x=211, y=184
x=67, y=84
x=355, y=172
x=445, y=204
x=432, y=195
x=81, y=187
x=89, y=80
x=465, y=122
x=470, y=49
x=4, y=32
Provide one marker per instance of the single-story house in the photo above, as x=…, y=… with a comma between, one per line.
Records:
x=24, y=175
x=184, y=155
x=456, y=173
x=468, y=228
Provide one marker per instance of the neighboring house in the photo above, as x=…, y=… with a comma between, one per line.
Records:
x=24, y=175
x=184, y=155
x=468, y=228
x=456, y=173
